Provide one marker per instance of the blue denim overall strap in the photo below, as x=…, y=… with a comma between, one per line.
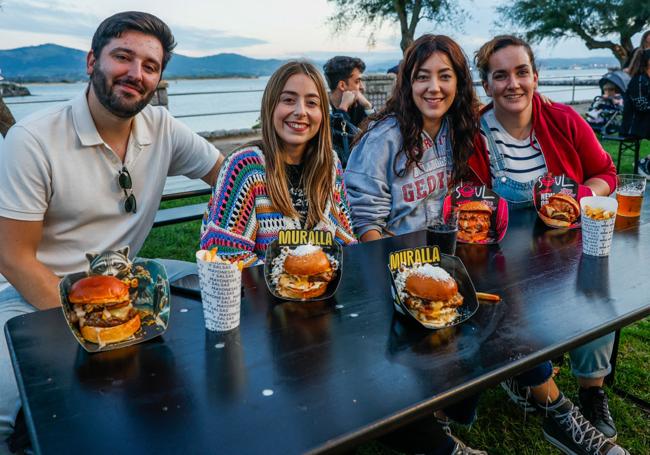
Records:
x=518, y=194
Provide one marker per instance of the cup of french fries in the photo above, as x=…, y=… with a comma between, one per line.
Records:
x=598, y=219
x=220, y=282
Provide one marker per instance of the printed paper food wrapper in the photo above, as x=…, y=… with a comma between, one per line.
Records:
x=404, y=262
x=286, y=243
x=548, y=186
x=149, y=296
x=482, y=199
x=597, y=234
x=220, y=283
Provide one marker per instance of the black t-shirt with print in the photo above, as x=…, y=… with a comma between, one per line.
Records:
x=297, y=190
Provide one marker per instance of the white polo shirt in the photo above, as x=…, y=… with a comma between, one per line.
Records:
x=55, y=167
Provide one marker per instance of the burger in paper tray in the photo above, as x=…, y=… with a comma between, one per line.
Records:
x=432, y=288
x=117, y=302
x=482, y=214
x=557, y=199
x=303, y=265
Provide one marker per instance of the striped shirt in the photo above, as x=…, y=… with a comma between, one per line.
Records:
x=522, y=158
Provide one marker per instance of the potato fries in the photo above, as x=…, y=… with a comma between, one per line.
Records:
x=598, y=214
x=212, y=256
x=488, y=297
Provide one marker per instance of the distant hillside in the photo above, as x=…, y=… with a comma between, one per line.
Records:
x=587, y=62
x=47, y=62
x=544, y=64
x=51, y=62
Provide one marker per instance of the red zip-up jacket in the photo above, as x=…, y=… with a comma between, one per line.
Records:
x=568, y=143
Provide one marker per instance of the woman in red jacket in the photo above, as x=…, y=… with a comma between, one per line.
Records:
x=524, y=138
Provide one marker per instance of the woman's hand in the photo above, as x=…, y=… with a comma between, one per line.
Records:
x=545, y=99
x=370, y=236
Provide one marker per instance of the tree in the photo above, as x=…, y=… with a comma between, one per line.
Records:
x=6, y=119
x=601, y=24
x=408, y=13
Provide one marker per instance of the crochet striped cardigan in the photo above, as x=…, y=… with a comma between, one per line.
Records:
x=240, y=219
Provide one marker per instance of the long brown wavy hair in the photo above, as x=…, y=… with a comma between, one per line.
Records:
x=462, y=115
x=318, y=158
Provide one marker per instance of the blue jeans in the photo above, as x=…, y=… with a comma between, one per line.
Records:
x=427, y=435
x=591, y=360
x=12, y=304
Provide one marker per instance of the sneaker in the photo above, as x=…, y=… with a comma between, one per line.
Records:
x=461, y=449
x=519, y=395
x=568, y=430
x=593, y=404
x=644, y=167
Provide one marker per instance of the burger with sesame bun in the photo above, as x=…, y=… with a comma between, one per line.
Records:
x=102, y=308
x=432, y=295
x=304, y=272
x=561, y=210
x=473, y=221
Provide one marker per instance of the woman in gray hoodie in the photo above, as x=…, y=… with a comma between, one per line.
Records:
x=418, y=145
x=402, y=164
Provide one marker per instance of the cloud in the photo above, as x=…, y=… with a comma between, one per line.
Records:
x=66, y=20
x=40, y=17
x=197, y=39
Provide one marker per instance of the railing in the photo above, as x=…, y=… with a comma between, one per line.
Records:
x=206, y=114
x=576, y=84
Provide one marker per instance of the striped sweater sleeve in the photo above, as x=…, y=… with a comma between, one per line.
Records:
x=230, y=222
x=341, y=214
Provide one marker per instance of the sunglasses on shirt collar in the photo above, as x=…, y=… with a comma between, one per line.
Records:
x=124, y=180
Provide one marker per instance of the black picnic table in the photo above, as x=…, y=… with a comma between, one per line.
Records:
x=323, y=377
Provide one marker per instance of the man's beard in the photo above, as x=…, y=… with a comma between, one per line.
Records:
x=118, y=105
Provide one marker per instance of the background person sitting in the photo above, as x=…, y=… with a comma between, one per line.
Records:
x=291, y=179
x=636, y=113
x=347, y=101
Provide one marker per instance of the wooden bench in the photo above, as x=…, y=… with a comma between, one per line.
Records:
x=181, y=214
x=182, y=188
x=625, y=143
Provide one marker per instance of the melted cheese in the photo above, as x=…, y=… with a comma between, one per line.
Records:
x=121, y=313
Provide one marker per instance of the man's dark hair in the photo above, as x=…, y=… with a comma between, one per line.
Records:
x=340, y=68
x=146, y=23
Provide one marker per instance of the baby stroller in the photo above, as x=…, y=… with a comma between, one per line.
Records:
x=606, y=111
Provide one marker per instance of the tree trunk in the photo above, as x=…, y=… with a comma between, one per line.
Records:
x=6, y=119
x=407, y=36
x=406, y=41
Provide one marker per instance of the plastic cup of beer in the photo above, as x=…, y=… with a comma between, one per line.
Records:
x=598, y=215
x=220, y=283
x=629, y=194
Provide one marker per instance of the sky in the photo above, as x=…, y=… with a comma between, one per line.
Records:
x=255, y=28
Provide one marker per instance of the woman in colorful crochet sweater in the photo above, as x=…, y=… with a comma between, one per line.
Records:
x=291, y=179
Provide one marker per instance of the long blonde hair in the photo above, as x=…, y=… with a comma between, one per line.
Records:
x=318, y=158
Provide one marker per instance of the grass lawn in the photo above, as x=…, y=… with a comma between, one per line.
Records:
x=501, y=427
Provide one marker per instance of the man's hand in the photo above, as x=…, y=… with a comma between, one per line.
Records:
x=347, y=99
x=363, y=101
x=33, y=280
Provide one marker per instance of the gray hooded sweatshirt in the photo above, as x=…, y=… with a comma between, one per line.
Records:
x=382, y=200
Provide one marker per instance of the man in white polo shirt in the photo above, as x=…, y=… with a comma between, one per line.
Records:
x=89, y=175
